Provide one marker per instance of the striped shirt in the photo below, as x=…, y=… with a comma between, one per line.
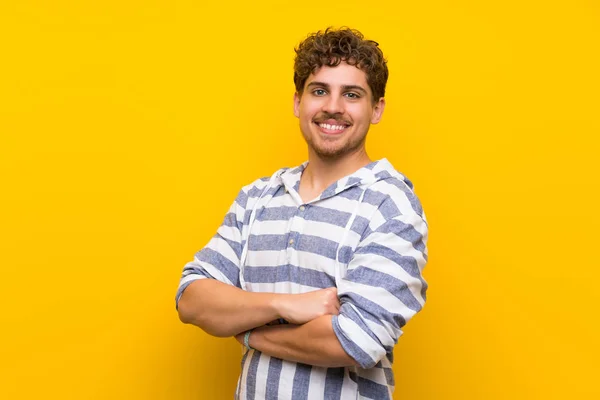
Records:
x=365, y=234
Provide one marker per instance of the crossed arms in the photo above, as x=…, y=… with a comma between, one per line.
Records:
x=355, y=324
x=223, y=310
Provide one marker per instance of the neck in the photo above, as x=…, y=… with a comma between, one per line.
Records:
x=322, y=172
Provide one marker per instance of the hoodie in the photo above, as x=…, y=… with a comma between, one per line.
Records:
x=365, y=234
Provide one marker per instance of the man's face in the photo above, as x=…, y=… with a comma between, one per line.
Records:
x=336, y=110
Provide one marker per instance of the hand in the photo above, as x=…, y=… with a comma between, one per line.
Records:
x=301, y=308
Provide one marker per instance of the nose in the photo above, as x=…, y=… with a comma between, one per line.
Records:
x=333, y=105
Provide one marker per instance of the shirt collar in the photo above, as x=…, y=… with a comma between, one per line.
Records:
x=366, y=175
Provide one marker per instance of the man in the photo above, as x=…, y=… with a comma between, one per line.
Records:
x=317, y=268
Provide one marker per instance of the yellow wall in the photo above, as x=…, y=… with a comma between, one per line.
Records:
x=127, y=128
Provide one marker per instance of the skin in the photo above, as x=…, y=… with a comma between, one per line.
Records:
x=338, y=96
x=313, y=343
x=223, y=310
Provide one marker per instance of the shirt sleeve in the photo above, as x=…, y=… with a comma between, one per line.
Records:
x=220, y=258
x=383, y=288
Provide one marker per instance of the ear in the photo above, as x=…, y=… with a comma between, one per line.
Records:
x=378, y=111
x=297, y=104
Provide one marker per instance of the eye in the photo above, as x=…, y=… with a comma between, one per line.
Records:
x=352, y=95
x=319, y=92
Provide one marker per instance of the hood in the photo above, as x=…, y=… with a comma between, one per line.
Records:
x=364, y=177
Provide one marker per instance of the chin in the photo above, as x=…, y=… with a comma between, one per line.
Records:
x=330, y=153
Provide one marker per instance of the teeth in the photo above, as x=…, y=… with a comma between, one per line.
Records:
x=332, y=127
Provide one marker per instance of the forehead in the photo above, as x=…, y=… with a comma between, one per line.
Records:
x=340, y=75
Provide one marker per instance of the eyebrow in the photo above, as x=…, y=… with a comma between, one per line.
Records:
x=344, y=87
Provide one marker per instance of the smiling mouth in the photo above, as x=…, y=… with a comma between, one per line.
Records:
x=331, y=128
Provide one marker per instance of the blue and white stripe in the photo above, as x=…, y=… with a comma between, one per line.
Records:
x=365, y=234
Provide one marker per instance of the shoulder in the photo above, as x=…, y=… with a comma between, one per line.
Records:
x=393, y=199
x=397, y=193
x=393, y=191
x=399, y=213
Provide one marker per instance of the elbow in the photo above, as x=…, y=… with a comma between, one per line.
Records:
x=183, y=306
x=188, y=309
x=189, y=313
x=196, y=317
x=217, y=331
x=185, y=313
